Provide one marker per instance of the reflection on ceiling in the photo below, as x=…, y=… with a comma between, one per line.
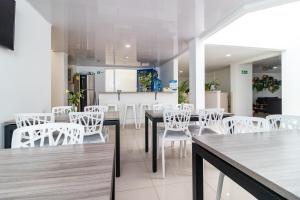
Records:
x=96, y=32
x=269, y=65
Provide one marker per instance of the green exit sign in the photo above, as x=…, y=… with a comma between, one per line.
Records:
x=244, y=72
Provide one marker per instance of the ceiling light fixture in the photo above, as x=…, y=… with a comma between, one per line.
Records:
x=228, y=55
x=126, y=57
x=180, y=71
x=127, y=45
x=275, y=67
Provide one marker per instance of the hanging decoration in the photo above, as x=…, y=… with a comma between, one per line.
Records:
x=266, y=83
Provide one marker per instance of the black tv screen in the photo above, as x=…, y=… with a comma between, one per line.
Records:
x=7, y=23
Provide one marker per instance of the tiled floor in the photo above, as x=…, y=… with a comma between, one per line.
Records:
x=138, y=182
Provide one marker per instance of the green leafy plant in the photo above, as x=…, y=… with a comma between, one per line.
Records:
x=183, y=90
x=145, y=81
x=212, y=86
x=74, y=97
x=266, y=82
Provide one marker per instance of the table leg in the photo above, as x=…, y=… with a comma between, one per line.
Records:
x=197, y=175
x=154, y=146
x=146, y=134
x=118, y=173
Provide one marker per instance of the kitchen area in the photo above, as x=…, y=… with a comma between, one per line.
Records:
x=127, y=90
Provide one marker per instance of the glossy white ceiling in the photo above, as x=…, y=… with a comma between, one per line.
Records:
x=95, y=32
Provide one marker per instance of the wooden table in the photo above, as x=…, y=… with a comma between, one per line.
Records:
x=157, y=117
x=110, y=119
x=267, y=165
x=69, y=172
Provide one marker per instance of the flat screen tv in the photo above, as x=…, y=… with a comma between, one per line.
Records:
x=7, y=23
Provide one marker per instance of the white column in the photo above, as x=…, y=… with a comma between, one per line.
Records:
x=59, y=79
x=241, y=89
x=197, y=73
x=290, y=81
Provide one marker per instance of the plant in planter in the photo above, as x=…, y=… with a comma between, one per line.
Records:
x=74, y=98
x=146, y=81
x=212, y=86
x=183, y=90
x=266, y=82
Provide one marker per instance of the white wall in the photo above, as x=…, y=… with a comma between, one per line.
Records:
x=241, y=89
x=25, y=83
x=222, y=76
x=290, y=81
x=59, y=82
x=169, y=71
x=267, y=93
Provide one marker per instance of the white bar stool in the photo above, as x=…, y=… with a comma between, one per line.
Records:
x=143, y=107
x=112, y=107
x=127, y=107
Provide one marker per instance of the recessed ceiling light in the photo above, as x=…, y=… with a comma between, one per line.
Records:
x=275, y=67
x=180, y=71
x=127, y=45
x=228, y=55
x=126, y=57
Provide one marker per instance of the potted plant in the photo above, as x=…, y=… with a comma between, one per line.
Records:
x=74, y=98
x=183, y=90
x=212, y=86
x=145, y=82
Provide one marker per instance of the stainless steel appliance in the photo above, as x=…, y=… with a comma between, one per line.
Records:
x=87, y=84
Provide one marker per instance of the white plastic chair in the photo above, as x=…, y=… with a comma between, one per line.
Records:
x=95, y=108
x=176, y=129
x=61, y=110
x=55, y=133
x=112, y=107
x=237, y=125
x=283, y=122
x=29, y=119
x=185, y=106
x=210, y=121
x=92, y=122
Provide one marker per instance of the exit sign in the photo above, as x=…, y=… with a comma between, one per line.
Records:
x=244, y=72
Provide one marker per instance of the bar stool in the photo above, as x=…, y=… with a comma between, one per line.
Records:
x=143, y=107
x=127, y=107
x=112, y=107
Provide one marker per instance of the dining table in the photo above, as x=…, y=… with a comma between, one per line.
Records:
x=156, y=116
x=111, y=118
x=266, y=164
x=70, y=172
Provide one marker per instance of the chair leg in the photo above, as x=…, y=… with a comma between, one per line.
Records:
x=125, y=116
x=141, y=116
x=134, y=116
x=163, y=160
x=184, y=149
x=172, y=144
x=180, y=150
x=220, y=186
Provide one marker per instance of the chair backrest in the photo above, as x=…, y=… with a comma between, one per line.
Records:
x=112, y=107
x=241, y=124
x=161, y=107
x=210, y=117
x=92, y=122
x=177, y=120
x=283, y=122
x=186, y=106
x=95, y=109
x=158, y=107
x=62, y=110
x=53, y=133
x=29, y=119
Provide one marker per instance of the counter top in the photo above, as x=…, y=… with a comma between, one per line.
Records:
x=136, y=92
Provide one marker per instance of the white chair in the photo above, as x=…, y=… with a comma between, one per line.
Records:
x=55, y=133
x=61, y=110
x=283, y=122
x=176, y=129
x=142, y=108
x=127, y=108
x=93, y=125
x=30, y=119
x=158, y=107
x=237, y=125
x=112, y=107
x=95, y=109
x=210, y=121
x=162, y=107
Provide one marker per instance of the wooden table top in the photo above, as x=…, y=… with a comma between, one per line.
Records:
x=160, y=113
x=272, y=159
x=62, y=173
x=108, y=116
